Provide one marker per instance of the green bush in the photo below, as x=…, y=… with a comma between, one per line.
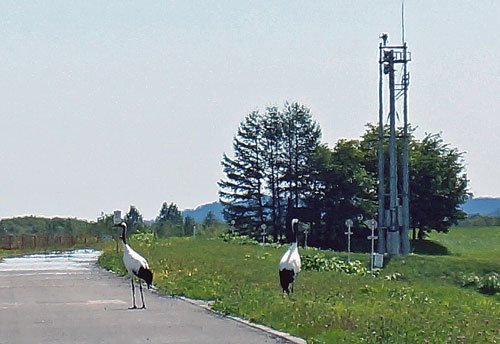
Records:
x=319, y=262
x=490, y=284
x=144, y=238
x=487, y=284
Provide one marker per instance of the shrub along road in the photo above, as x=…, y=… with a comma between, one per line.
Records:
x=67, y=302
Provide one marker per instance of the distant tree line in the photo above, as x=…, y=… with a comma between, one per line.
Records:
x=477, y=220
x=42, y=226
x=169, y=222
x=278, y=162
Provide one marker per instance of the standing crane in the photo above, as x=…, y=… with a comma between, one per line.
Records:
x=136, y=266
x=290, y=263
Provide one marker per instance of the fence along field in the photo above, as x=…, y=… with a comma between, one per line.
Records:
x=26, y=241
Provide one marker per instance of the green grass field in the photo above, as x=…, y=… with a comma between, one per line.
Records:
x=10, y=253
x=415, y=299
x=474, y=242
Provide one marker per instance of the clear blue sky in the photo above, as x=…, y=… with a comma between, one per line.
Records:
x=112, y=103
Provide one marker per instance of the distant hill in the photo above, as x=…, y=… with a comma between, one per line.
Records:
x=199, y=213
x=486, y=206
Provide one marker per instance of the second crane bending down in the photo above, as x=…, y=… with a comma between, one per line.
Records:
x=136, y=266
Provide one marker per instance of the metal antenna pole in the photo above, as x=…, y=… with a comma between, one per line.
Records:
x=405, y=241
x=393, y=234
x=394, y=222
x=402, y=21
x=381, y=184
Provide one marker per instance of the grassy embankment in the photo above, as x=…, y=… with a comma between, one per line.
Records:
x=416, y=299
x=12, y=253
x=4, y=253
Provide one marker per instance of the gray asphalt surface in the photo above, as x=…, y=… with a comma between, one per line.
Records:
x=63, y=301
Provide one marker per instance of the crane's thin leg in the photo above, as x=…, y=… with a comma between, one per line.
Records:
x=142, y=296
x=133, y=294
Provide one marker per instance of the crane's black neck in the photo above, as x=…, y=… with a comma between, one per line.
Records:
x=294, y=232
x=124, y=235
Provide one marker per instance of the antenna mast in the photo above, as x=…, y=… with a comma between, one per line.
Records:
x=405, y=81
x=402, y=22
x=394, y=203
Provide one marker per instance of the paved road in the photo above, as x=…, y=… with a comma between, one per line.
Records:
x=68, y=300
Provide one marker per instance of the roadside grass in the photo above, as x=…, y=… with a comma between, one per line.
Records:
x=12, y=253
x=18, y=252
x=4, y=253
x=415, y=299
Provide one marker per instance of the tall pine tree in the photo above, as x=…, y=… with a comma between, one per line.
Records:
x=242, y=192
x=271, y=160
x=275, y=167
x=133, y=219
x=301, y=138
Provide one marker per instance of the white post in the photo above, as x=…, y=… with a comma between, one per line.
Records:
x=117, y=217
x=232, y=227
x=373, y=225
x=264, y=234
x=194, y=232
x=349, y=224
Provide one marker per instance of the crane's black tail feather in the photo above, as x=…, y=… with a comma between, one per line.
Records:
x=146, y=275
x=286, y=278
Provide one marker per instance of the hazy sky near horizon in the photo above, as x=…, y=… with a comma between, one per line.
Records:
x=112, y=103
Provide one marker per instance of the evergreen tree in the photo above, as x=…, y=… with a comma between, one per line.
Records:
x=169, y=213
x=189, y=224
x=270, y=165
x=242, y=192
x=133, y=219
x=209, y=220
x=169, y=221
x=301, y=138
x=275, y=168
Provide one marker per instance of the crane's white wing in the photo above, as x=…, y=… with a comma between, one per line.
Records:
x=133, y=261
x=291, y=259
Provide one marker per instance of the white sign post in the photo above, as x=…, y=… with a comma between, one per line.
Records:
x=117, y=217
x=264, y=233
x=373, y=225
x=349, y=224
x=232, y=227
x=306, y=233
